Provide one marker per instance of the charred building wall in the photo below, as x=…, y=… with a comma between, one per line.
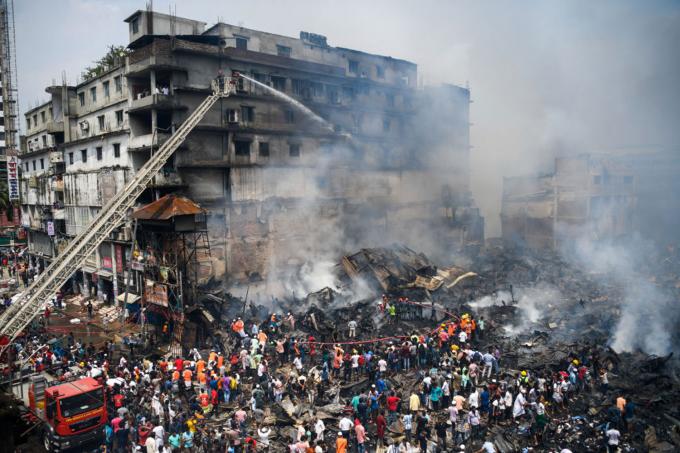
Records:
x=592, y=196
x=278, y=187
x=657, y=189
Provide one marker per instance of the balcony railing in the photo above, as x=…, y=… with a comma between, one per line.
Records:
x=54, y=126
x=167, y=178
x=147, y=140
x=157, y=101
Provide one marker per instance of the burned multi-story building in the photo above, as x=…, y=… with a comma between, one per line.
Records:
x=588, y=196
x=354, y=153
x=394, y=162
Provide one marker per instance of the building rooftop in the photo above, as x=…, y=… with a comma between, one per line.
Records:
x=166, y=208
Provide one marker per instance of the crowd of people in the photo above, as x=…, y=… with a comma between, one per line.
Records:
x=431, y=390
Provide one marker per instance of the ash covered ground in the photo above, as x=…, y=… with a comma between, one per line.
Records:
x=554, y=320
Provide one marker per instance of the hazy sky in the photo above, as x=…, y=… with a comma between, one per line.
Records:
x=545, y=76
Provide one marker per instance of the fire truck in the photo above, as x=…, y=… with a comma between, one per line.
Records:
x=74, y=413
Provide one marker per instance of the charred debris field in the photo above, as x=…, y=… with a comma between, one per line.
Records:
x=541, y=315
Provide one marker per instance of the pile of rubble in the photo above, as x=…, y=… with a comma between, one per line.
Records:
x=579, y=322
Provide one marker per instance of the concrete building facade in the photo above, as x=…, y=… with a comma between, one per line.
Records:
x=378, y=159
x=393, y=163
x=74, y=160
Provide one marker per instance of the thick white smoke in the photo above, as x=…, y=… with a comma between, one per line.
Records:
x=647, y=313
x=531, y=302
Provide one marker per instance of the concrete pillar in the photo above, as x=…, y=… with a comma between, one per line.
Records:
x=152, y=77
x=113, y=271
x=154, y=120
x=154, y=114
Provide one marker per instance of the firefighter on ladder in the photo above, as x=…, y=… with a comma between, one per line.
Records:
x=220, y=81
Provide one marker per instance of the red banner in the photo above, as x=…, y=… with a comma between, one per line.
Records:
x=119, y=259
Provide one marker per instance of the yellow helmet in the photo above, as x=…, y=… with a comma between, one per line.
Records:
x=575, y=362
x=454, y=347
x=524, y=373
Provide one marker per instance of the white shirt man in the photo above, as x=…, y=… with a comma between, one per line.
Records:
x=355, y=361
x=263, y=435
x=352, y=328
x=159, y=434
x=345, y=424
x=462, y=336
x=319, y=429
x=407, y=420
x=473, y=399
x=518, y=408
x=487, y=448
x=613, y=436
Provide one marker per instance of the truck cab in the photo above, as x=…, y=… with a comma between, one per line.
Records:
x=74, y=413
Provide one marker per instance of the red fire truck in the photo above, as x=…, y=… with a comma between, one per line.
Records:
x=74, y=413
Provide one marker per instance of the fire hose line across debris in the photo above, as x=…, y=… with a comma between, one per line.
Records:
x=383, y=339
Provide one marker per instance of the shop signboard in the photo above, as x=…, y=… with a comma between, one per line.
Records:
x=156, y=293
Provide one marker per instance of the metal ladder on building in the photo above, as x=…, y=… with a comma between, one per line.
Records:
x=17, y=317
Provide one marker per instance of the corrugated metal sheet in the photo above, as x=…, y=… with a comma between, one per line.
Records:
x=166, y=208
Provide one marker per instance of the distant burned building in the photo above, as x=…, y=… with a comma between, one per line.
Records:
x=657, y=190
x=590, y=196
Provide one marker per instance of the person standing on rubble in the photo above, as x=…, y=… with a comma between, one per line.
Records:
x=290, y=319
x=628, y=415
x=519, y=405
x=613, y=436
x=341, y=444
x=319, y=429
x=352, y=325
x=360, y=433
x=392, y=312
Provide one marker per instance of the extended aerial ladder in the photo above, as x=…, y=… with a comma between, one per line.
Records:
x=19, y=315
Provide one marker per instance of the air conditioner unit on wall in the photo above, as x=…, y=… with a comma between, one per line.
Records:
x=84, y=128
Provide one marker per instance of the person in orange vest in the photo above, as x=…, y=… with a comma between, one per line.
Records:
x=200, y=366
x=202, y=379
x=220, y=360
x=340, y=444
x=262, y=337
x=238, y=327
x=187, y=374
x=463, y=322
x=212, y=357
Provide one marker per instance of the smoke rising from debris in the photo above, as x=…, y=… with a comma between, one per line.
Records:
x=649, y=316
x=530, y=301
